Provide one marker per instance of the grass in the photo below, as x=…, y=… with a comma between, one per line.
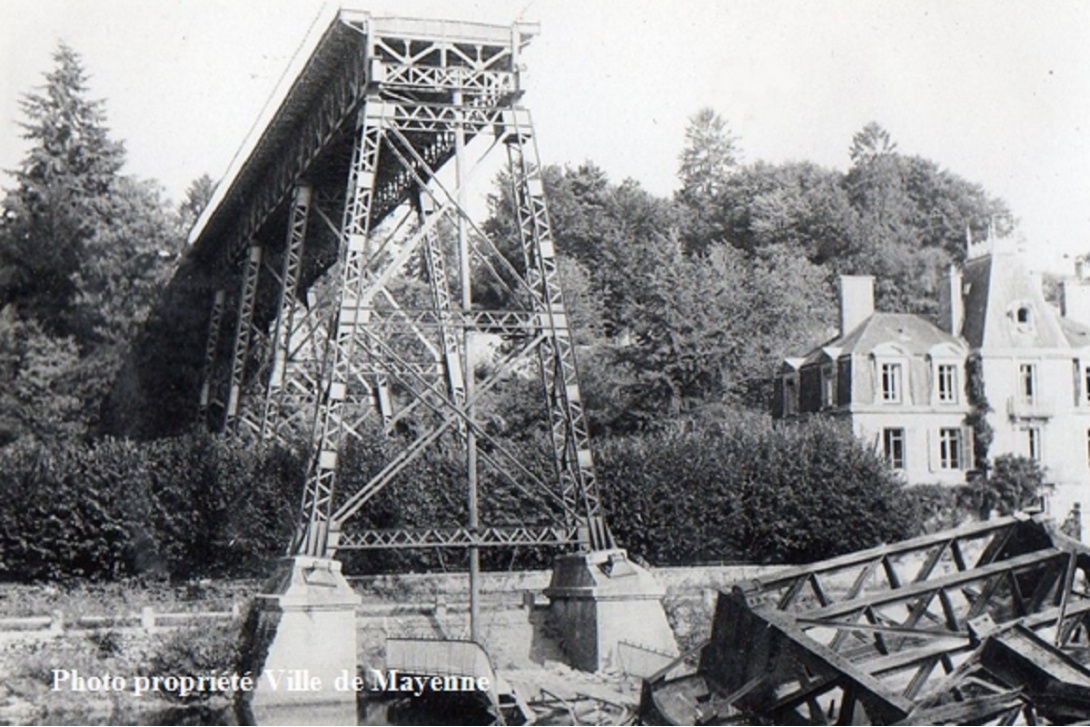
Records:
x=27, y=672
x=27, y=662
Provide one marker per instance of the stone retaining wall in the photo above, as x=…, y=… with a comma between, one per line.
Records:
x=452, y=587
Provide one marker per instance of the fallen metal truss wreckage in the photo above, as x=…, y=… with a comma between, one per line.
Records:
x=986, y=624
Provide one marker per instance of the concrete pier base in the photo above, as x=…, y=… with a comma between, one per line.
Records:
x=601, y=598
x=299, y=638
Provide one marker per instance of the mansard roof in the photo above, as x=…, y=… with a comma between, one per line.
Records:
x=905, y=332
x=1004, y=306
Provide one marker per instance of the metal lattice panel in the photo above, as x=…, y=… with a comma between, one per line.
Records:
x=920, y=632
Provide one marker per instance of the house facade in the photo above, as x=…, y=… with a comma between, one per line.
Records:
x=899, y=381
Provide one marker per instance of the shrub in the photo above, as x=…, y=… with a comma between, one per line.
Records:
x=1013, y=483
x=750, y=491
x=188, y=507
x=195, y=651
x=936, y=507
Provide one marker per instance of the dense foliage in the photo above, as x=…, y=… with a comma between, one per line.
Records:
x=1014, y=483
x=185, y=507
x=83, y=253
x=749, y=491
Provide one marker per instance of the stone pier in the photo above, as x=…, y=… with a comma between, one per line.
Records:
x=299, y=638
x=601, y=598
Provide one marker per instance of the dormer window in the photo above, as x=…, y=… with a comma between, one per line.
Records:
x=828, y=385
x=1021, y=315
x=891, y=383
x=890, y=371
x=946, y=383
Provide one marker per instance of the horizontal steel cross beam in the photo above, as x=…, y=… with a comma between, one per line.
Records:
x=460, y=537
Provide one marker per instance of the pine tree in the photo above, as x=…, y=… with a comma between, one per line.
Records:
x=84, y=251
x=61, y=196
x=710, y=157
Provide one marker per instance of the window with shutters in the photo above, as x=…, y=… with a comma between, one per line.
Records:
x=950, y=449
x=893, y=446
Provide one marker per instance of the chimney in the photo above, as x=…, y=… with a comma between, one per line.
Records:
x=856, y=301
x=951, y=304
x=1082, y=270
x=1075, y=301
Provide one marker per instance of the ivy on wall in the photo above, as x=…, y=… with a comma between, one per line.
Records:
x=977, y=418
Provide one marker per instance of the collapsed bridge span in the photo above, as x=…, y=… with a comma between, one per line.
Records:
x=983, y=624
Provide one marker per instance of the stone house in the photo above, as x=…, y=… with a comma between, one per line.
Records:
x=899, y=380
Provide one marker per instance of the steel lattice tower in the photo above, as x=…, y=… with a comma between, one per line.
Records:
x=350, y=274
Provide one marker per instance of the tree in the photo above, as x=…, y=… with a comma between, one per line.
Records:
x=197, y=196
x=710, y=155
x=1014, y=483
x=912, y=218
x=127, y=262
x=709, y=158
x=62, y=188
x=794, y=207
x=40, y=391
x=84, y=251
x=870, y=143
x=707, y=331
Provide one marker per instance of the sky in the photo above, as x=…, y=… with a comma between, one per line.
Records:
x=996, y=91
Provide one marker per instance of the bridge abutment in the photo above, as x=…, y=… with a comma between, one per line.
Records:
x=300, y=637
x=600, y=598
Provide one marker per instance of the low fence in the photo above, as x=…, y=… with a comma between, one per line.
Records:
x=148, y=619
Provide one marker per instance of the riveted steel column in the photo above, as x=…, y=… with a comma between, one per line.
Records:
x=243, y=329
x=570, y=437
x=284, y=328
x=212, y=342
x=314, y=537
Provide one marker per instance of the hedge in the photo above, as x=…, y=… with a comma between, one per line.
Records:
x=197, y=505
x=751, y=491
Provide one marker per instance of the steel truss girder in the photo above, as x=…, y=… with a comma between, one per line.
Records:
x=336, y=107
x=488, y=84
x=415, y=103
x=244, y=332
x=485, y=537
x=904, y=630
